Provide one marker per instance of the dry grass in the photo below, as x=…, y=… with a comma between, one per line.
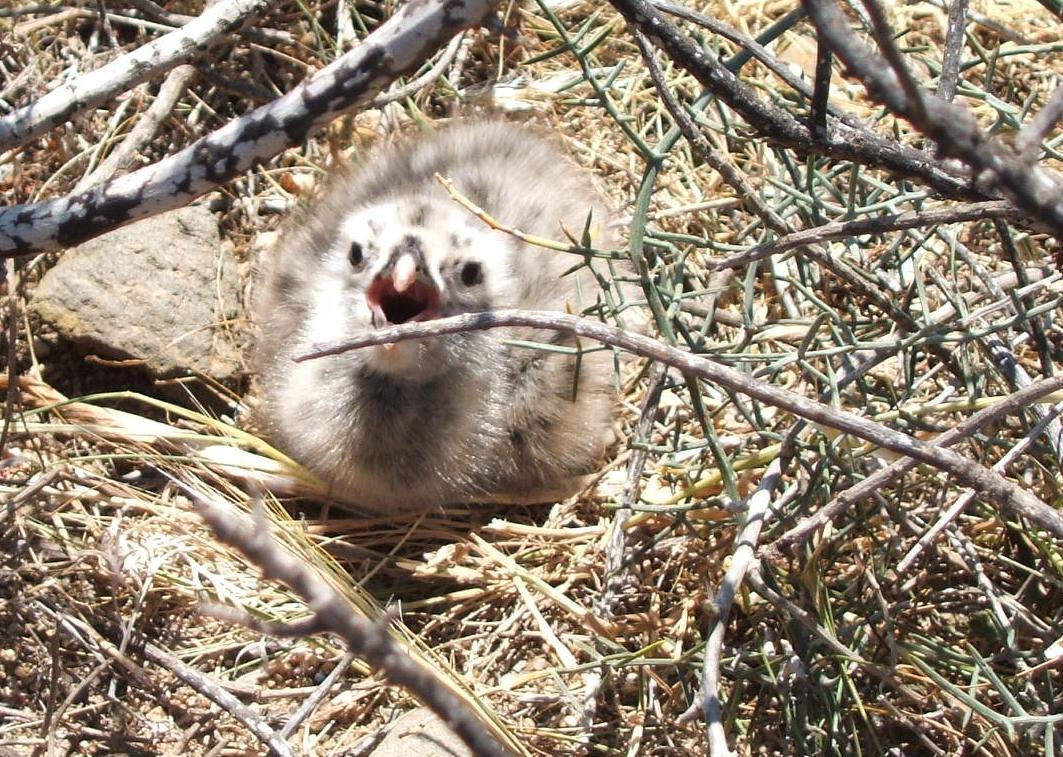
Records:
x=840, y=653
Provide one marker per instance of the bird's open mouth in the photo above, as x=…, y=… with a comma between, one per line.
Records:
x=419, y=302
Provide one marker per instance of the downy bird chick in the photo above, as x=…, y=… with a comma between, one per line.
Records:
x=462, y=418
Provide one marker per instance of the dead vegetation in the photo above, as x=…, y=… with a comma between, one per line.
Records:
x=917, y=619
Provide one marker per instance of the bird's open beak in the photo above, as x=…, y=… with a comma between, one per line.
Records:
x=401, y=293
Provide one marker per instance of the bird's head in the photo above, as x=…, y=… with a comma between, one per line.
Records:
x=411, y=260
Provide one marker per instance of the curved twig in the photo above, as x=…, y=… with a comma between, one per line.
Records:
x=994, y=486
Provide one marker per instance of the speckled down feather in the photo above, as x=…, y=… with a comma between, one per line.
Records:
x=458, y=419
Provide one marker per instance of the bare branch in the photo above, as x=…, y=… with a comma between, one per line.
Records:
x=953, y=128
x=913, y=219
x=253, y=721
x=318, y=696
x=751, y=48
x=847, y=139
x=982, y=20
x=156, y=12
x=946, y=519
x=397, y=47
x=913, y=93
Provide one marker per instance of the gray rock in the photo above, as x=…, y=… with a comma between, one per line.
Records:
x=161, y=290
x=419, y=733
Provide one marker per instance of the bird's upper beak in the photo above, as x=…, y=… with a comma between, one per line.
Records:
x=403, y=292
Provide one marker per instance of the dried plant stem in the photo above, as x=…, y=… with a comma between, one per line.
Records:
x=494, y=223
x=253, y=721
x=422, y=81
x=146, y=128
x=616, y=538
x=318, y=696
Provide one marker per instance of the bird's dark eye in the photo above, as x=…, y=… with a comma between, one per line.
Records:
x=356, y=255
x=471, y=273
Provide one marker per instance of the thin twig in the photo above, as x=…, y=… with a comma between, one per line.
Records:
x=751, y=48
x=1005, y=32
x=492, y=222
x=957, y=507
x=616, y=539
x=912, y=219
x=893, y=472
x=821, y=91
x=744, y=555
x=11, y=318
x=146, y=128
x=950, y=63
x=318, y=696
x=1028, y=140
x=996, y=488
x=262, y=35
x=252, y=720
x=422, y=81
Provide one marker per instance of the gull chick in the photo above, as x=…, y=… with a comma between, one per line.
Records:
x=463, y=418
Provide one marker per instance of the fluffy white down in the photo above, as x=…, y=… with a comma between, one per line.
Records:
x=459, y=419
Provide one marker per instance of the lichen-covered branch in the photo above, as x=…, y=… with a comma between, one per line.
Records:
x=397, y=47
x=97, y=87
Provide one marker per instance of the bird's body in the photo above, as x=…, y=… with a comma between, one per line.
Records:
x=456, y=419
